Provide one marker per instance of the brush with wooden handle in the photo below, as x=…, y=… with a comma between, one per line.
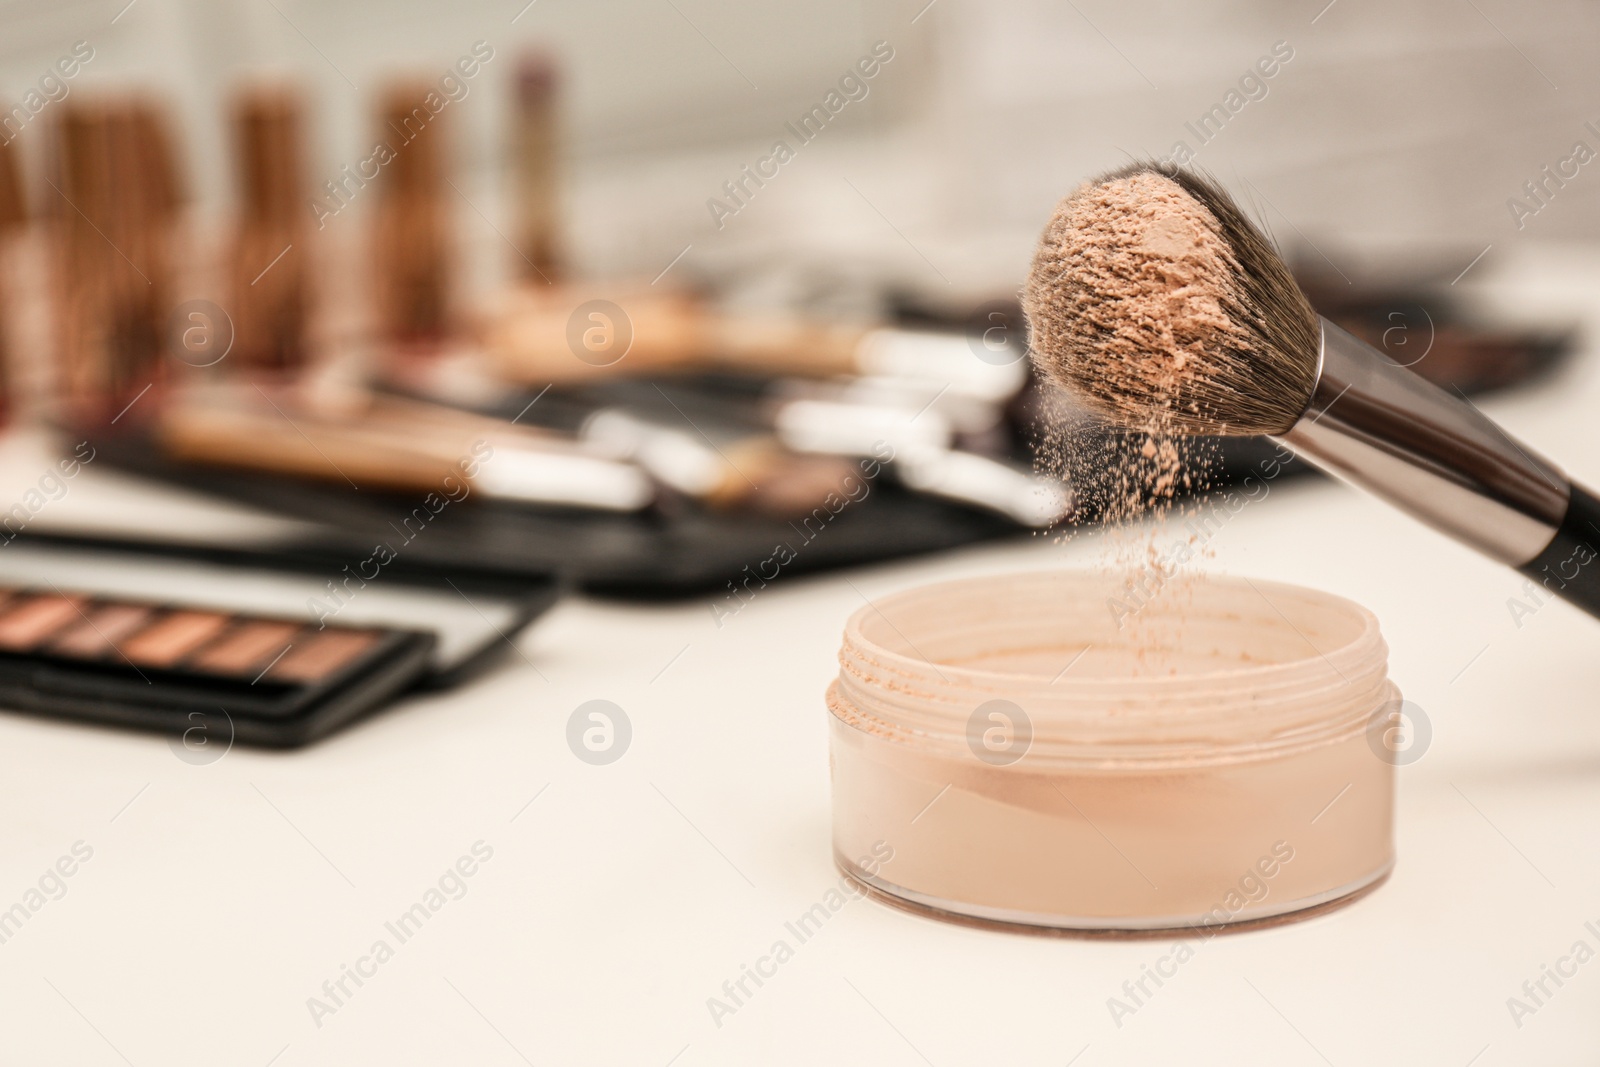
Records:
x=544, y=334
x=268, y=263
x=394, y=445
x=13, y=214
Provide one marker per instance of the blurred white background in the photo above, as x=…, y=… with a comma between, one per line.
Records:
x=1395, y=130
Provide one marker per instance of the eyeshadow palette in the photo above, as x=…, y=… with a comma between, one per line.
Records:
x=251, y=678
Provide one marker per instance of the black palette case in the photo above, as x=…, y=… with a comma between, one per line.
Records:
x=217, y=645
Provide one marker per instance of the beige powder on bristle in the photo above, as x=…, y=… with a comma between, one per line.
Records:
x=1147, y=265
x=1157, y=262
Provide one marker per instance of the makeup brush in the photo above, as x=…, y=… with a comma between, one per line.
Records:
x=116, y=205
x=13, y=209
x=583, y=332
x=395, y=445
x=412, y=255
x=1157, y=302
x=268, y=261
x=536, y=145
x=13, y=214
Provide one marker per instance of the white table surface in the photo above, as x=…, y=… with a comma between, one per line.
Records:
x=219, y=898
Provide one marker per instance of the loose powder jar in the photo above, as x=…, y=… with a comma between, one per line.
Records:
x=1036, y=751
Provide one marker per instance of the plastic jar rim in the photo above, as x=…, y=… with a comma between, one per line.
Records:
x=1286, y=703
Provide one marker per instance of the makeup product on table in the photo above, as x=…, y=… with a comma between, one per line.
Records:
x=780, y=448
x=832, y=510
x=538, y=334
x=273, y=647
x=150, y=664
x=907, y=390
x=84, y=300
x=719, y=462
x=13, y=205
x=393, y=444
x=921, y=426
x=610, y=460
x=579, y=332
x=782, y=452
x=412, y=256
x=115, y=200
x=1005, y=751
x=270, y=251
x=1165, y=309
x=535, y=142
x=13, y=215
x=650, y=553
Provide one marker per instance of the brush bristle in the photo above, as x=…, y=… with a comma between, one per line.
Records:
x=1156, y=301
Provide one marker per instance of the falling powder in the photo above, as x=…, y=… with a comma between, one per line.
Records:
x=1143, y=262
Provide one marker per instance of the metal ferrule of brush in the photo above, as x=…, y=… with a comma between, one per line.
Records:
x=1427, y=452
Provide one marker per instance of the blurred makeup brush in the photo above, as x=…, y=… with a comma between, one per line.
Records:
x=582, y=332
x=1156, y=301
x=268, y=263
x=13, y=213
x=13, y=210
x=536, y=145
x=116, y=205
x=394, y=445
x=412, y=254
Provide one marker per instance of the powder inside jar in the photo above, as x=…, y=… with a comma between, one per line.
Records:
x=1012, y=791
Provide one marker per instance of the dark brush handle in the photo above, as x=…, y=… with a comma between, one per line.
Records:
x=1570, y=565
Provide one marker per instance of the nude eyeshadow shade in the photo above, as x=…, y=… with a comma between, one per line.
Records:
x=29, y=620
x=249, y=644
x=98, y=632
x=172, y=637
x=322, y=653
